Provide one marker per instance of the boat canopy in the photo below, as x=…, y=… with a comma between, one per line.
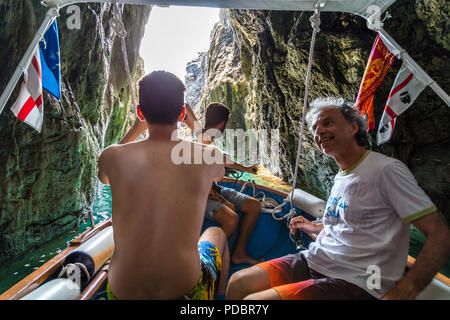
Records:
x=362, y=8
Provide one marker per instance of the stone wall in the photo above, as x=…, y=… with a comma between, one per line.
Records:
x=49, y=179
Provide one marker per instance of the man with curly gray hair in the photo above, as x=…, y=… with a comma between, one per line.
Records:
x=361, y=247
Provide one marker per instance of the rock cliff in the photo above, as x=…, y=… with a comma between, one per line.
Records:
x=49, y=179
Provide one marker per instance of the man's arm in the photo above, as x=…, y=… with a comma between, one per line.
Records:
x=430, y=259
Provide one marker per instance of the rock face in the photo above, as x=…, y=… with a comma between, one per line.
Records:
x=257, y=66
x=195, y=80
x=49, y=179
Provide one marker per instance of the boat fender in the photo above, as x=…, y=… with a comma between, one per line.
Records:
x=58, y=289
x=92, y=254
x=308, y=203
x=79, y=258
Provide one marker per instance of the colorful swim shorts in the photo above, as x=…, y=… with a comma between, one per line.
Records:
x=211, y=265
x=109, y=293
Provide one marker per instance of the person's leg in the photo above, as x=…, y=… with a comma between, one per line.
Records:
x=251, y=210
x=247, y=281
x=257, y=282
x=217, y=236
x=227, y=219
x=269, y=294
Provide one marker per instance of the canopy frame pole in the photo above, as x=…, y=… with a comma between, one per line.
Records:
x=50, y=16
x=418, y=71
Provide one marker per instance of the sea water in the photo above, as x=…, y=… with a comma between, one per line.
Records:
x=18, y=268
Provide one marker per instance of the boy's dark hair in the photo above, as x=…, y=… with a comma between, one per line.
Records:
x=161, y=97
x=216, y=113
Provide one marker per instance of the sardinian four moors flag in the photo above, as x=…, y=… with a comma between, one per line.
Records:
x=405, y=90
x=380, y=60
x=43, y=71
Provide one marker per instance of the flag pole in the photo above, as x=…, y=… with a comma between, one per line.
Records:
x=418, y=71
x=50, y=16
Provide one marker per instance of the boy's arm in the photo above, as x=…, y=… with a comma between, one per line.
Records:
x=138, y=127
x=191, y=120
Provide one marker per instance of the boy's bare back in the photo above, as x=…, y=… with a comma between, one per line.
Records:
x=157, y=214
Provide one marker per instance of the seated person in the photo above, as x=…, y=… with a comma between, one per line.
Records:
x=362, y=244
x=158, y=253
x=223, y=202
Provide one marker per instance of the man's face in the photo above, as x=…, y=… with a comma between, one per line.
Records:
x=332, y=132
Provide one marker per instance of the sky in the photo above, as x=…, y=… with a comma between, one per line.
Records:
x=174, y=36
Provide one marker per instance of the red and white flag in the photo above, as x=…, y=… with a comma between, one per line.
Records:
x=405, y=90
x=29, y=106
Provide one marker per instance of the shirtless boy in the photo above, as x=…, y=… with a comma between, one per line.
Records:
x=158, y=206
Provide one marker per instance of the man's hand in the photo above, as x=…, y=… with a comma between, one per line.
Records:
x=303, y=224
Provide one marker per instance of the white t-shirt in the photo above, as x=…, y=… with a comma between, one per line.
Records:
x=366, y=224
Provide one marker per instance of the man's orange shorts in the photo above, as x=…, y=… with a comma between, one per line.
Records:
x=292, y=278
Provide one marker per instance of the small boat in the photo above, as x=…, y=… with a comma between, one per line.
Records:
x=80, y=272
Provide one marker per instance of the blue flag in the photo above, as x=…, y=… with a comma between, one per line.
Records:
x=50, y=61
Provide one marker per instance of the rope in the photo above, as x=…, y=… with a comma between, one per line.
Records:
x=268, y=205
x=119, y=29
x=315, y=24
